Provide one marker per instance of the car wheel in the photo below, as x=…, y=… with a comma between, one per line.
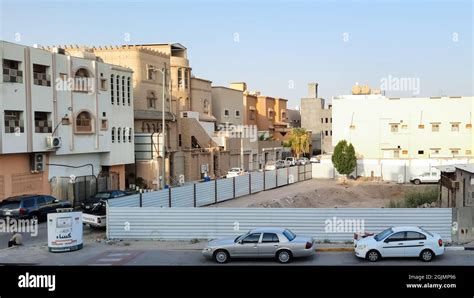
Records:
x=417, y=181
x=284, y=256
x=373, y=256
x=221, y=256
x=426, y=255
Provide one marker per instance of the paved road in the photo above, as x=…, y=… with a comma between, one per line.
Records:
x=28, y=239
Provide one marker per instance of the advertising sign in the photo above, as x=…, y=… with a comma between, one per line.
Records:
x=64, y=231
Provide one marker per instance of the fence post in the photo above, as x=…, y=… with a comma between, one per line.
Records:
x=264, y=174
x=250, y=183
x=276, y=177
x=233, y=186
x=141, y=199
x=194, y=194
x=169, y=196
x=215, y=191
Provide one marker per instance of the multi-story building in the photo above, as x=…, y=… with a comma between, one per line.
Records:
x=405, y=128
x=62, y=116
x=294, y=117
x=317, y=118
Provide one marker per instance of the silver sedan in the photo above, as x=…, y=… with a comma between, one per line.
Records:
x=278, y=243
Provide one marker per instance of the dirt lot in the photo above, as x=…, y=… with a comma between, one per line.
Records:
x=327, y=193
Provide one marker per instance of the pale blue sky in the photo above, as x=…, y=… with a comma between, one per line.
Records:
x=279, y=41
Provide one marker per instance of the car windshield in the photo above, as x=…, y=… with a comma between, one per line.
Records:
x=241, y=237
x=102, y=195
x=9, y=205
x=383, y=234
x=289, y=234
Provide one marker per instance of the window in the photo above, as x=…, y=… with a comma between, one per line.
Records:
x=289, y=234
x=104, y=124
x=415, y=236
x=421, y=152
x=113, y=134
x=84, y=122
x=326, y=120
x=435, y=151
x=394, y=127
x=125, y=134
x=128, y=90
x=123, y=90
x=81, y=80
x=43, y=122
x=119, y=133
x=117, y=80
x=103, y=84
x=270, y=114
x=112, y=89
x=40, y=201
x=147, y=126
x=404, y=152
x=226, y=113
x=12, y=71
x=270, y=238
x=237, y=113
x=41, y=76
x=468, y=152
x=205, y=105
x=421, y=126
x=28, y=203
x=179, y=140
x=468, y=125
x=326, y=133
x=186, y=78
x=383, y=234
x=396, y=153
x=322, y=120
x=331, y=132
x=151, y=74
x=252, y=115
x=435, y=127
x=283, y=116
x=404, y=127
x=400, y=236
x=151, y=99
x=130, y=135
x=180, y=78
x=455, y=151
x=331, y=119
x=153, y=127
x=454, y=126
x=14, y=122
x=252, y=238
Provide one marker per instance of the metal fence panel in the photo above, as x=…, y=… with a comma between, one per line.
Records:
x=282, y=176
x=321, y=171
x=256, y=181
x=225, y=189
x=182, y=196
x=293, y=176
x=158, y=198
x=127, y=201
x=308, y=169
x=205, y=193
x=242, y=185
x=270, y=179
x=321, y=223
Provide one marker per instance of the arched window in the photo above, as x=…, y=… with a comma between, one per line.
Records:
x=118, y=90
x=112, y=88
x=113, y=134
x=130, y=135
x=81, y=80
x=119, y=132
x=84, y=122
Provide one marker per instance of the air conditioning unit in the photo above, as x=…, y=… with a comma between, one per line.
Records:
x=37, y=162
x=53, y=142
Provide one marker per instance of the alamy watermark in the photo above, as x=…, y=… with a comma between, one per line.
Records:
x=336, y=225
x=11, y=225
x=391, y=83
x=238, y=131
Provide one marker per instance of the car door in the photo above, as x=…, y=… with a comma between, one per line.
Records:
x=52, y=205
x=414, y=243
x=434, y=177
x=269, y=245
x=42, y=206
x=248, y=247
x=393, y=245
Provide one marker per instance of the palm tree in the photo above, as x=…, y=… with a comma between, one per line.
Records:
x=299, y=140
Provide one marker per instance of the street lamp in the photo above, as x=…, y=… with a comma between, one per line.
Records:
x=163, y=127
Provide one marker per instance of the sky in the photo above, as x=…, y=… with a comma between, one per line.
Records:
x=410, y=48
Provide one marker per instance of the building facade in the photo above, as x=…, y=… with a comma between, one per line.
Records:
x=294, y=118
x=60, y=116
x=399, y=128
x=316, y=116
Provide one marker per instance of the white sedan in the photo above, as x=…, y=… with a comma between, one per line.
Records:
x=400, y=242
x=235, y=172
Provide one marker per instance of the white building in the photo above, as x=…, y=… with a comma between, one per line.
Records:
x=380, y=127
x=75, y=111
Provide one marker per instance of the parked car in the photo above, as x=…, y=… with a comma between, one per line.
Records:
x=400, y=242
x=270, y=165
x=235, y=172
x=279, y=243
x=314, y=159
x=95, y=204
x=303, y=161
x=31, y=206
x=292, y=161
x=282, y=164
x=428, y=177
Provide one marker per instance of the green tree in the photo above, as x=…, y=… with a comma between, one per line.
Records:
x=344, y=158
x=300, y=140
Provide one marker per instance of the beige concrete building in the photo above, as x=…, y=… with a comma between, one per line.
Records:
x=227, y=105
x=381, y=127
x=316, y=116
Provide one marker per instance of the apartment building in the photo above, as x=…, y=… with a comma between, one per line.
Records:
x=294, y=117
x=316, y=116
x=61, y=118
x=405, y=128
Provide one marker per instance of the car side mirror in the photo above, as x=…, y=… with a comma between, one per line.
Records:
x=55, y=201
x=386, y=240
x=240, y=242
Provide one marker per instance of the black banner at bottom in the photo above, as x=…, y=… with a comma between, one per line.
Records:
x=288, y=281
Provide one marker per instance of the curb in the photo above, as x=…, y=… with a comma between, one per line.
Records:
x=457, y=248
x=334, y=249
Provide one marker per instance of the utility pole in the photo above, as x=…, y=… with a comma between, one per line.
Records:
x=163, y=128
